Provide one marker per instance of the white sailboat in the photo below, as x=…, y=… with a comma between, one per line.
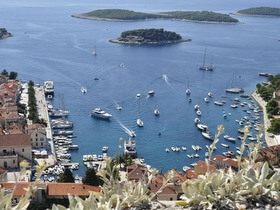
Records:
x=206, y=67
x=156, y=111
x=83, y=89
x=188, y=91
x=139, y=122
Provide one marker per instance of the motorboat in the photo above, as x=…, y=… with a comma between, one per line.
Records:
x=264, y=74
x=219, y=103
x=118, y=107
x=190, y=100
x=236, y=99
x=151, y=93
x=130, y=148
x=225, y=116
x=234, y=90
x=166, y=150
x=122, y=65
x=49, y=97
x=252, y=139
x=138, y=95
x=206, y=100
x=194, y=147
x=139, y=122
x=190, y=156
x=156, y=112
x=196, y=107
x=188, y=92
x=100, y=157
x=224, y=102
x=73, y=147
x=227, y=137
x=225, y=145
x=234, y=106
x=202, y=127
x=207, y=135
x=185, y=168
x=198, y=112
x=193, y=164
x=196, y=155
x=95, y=78
x=105, y=149
x=173, y=149
x=99, y=113
x=49, y=87
x=210, y=94
x=184, y=148
x=83, y=90
x=196, y=120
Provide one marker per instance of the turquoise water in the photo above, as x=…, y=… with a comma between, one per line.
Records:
x=50, y=45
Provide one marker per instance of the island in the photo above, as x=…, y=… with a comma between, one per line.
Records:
x=149, y=36
x=128, y=15
x=4, y=33
x=262, y=11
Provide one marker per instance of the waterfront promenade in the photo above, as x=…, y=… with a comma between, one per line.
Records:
x=43, y=113
x=270, y=139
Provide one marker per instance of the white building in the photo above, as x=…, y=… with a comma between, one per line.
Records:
x=13, y=149
x=38, y=135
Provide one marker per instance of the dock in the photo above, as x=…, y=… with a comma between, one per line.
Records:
x=270, y=139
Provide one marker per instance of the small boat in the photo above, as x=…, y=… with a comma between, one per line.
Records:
x=252, y=139
x=238, y=152
x=210, y=94
x=138, y=95
x=185, y=168
x=234, y=106
x=50, y=97
x=105, y=149
x=83, y=90
x=202, y=127
x=225, y=145
x=190, y=100
x=118, y=107
x=198, y=112
x=264, y=74
x=151, y=93
x=166, y=150
x=173, y=149
x=225, y=116
x=122, y=65
x=73, y=147
x=224, y=102
x=196, y=107
x=237, y=121
x=198, y=148
x=188, y=92
x=132, y=133
x=99, y=113
x=206, y=100
x=218, y=103
x=189, y=156
x=184, y=148
x=156, y=112
x=227, y=137
x=248, y=112
x=207, y=135
x=196, y=120
x=196, y=155
x=139, y=122
x=193, y=164
x=234, y=90
x=194, y=147
x=95, y=78
x=236, y=99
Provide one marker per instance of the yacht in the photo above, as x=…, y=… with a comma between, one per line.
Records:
x=206, y=67
x=206, y=100
x=227, y=137
x=49, y=87
x=233, y=105
x=188, y=92
x=151, y=93
x=105, y=149
x=99, y=113
x=156, y=112
x=210, y=94
x=202, y=127
x=139, y=122
x=57, y=113
x=225, y=145
x=207, y=135
x=218, y=103
x=234, y=90
x=196, y=120
x=130, y=148
x=83, y=90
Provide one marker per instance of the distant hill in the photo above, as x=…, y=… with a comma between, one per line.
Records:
x=149, y=36
x=128, y=15
x=260, y=11
x=4, y=33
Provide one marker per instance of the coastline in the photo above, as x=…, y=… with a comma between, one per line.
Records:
x=82, y=16
x=270, y=141
x=147, y=43
x=252, y=15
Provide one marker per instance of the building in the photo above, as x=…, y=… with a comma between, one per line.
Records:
x=13, y=149
x=271, y=154
x=137, y=172
x=49, y=192
x=38, y=135
x=222, y=162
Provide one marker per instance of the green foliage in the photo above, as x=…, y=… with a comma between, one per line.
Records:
x=261, y=11
x=91, y=178
x=5, y=73
x=208, y=16
x=124, y=160
x=67, y=176
x=266, y=91
x=21, y=108
x=153, y=35
x=37, y=206
x=121, y=14
x=272, y=107
x=275, y=126
x=13, y=75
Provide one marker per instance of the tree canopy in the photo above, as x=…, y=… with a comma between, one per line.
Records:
x=260, y=11
x=91, y=178
x=67, y=176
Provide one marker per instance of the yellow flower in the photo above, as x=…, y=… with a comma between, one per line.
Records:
x=24, y=164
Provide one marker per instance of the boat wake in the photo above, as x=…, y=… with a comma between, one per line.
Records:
x=125, y=129
x=165, y=78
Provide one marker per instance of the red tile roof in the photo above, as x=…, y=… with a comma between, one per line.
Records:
x=201, y=167
x=190, y=174
x=15, y=140
x=178, y=176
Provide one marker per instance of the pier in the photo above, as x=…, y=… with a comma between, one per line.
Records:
x=270, y=139
x=43, y=113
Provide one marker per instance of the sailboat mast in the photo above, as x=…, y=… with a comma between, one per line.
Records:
x=211, y=62
x=204, y=57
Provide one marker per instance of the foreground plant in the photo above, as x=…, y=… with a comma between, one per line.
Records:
x=253, y=183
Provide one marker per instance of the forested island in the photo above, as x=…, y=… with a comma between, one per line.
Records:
x=4, y=33
x=268, y=11
x=128, y=15
x=149, y=36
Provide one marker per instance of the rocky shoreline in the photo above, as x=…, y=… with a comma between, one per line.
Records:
x=120, y=41
x=4, y=33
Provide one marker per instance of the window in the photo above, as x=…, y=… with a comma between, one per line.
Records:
x=14, y=161
x=36, y=144
x=36, y=134
x=22, y=150
x=4, y=151
x=42, y=139
x=42, y=144
x=36, y=139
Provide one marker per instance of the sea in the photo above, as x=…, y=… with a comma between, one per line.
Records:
x=49, y=44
